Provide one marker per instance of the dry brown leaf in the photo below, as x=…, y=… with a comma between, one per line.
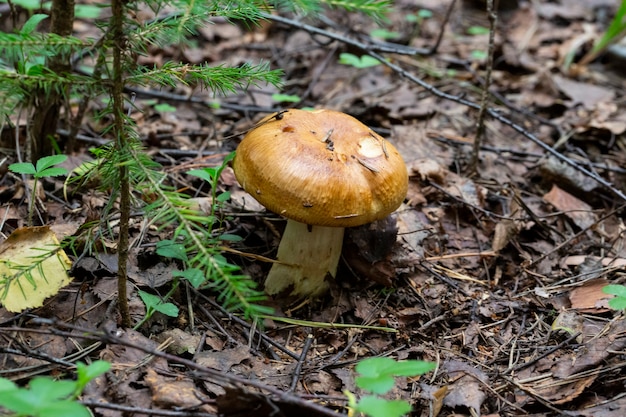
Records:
x=577, y=210
x=175, y=392
x=507, y=228
x=429, y=169
x=590, y=298
x=589, y=95
x=224, y=359
x=576, y=260
x=466, y=391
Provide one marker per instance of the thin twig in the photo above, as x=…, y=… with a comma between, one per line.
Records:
x=216, y=375
x=484, y=99
x=544, y=354
x=145, y=411
x=301, y=359
x=444, y=23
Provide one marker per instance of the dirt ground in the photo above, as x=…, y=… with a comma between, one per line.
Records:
x=496, y=275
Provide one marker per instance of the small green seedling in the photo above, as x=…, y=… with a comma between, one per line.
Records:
x=384, y=34
x=619, y=291
x=212, y=176
x=164, y=108
x=477, y=30
x=378, y=376
x=285, y=98
x=615, y=32
x=364, y=61
x=45, y=168
x=479, y=55
x=46, y=397
x=418, y=19
x=421, y=15
x=174, y=249
x=154, y=303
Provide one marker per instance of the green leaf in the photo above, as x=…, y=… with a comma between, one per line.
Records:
x=374, y=366
x=379, y=384
x=168, y=309
x=193, y=275
x=164, y=108
x=619, y=291
x=42, y=394
x=477, y=30
x=86, y=373
x=171, y=249
x=51, y=172
x=154, y=303
x=479, y=55
x=379, y=407
x=225, y=196
x=205, y=174
x=618, y=303
x=31, y=24
x=614, y=31
x=411, y=368
x=377, y=373
x=23, y=168
x=425, y=13
x=47, y=389
x=228, y=158
x=87, y=11
x=27, y=4
x=384, y=34
x=365, y=61
x=20, y=401
x=7, y=385
x=285, y=98
x=64, y=409
x=230, y=238
x=49, y=161
x=614, y=289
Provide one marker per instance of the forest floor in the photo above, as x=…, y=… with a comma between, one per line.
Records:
x=496, y=275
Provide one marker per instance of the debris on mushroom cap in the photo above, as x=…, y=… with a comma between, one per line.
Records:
x=321, y=167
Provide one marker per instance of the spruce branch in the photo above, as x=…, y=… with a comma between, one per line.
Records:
x=220, y=79
x=194, y=230
x=375, y=9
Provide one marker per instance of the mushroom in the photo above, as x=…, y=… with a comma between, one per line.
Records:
x=324, y=171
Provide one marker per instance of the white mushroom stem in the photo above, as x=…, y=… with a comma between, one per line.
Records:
x=308, y=256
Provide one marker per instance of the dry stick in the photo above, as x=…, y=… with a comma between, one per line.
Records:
x=546, y=403
x=301, y=359
x=247, y=325
x=371, y=49
x=145, y=411
x=480, y=123
x=223, y=377
x=574, y=237
x=544, y=354
x=444, y=23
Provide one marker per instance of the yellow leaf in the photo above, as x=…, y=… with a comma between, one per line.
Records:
x=32, y=267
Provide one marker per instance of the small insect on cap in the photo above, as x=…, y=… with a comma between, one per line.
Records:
x=321, y=167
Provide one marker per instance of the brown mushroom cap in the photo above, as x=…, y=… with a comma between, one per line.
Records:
x=321, y=168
